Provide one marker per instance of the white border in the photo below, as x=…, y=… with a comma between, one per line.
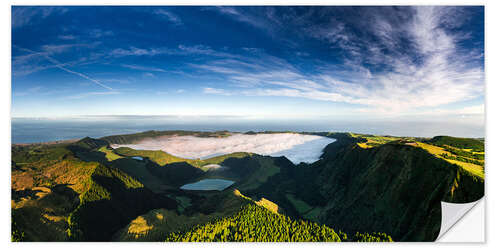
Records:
x=492, y=135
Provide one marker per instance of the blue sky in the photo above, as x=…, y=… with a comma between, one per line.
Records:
x=340, y=63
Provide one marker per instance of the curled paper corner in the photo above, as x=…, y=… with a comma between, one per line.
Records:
x=451, y=213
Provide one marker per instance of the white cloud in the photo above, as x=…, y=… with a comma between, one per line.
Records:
x=478, y=109
x=58, y=48
x=89, y=94
x=143, y=68
x=67, y=37
x=24, y=15
x=296, y=147
x=215, y=91
x=133, y=51
x=28, y=91
x=180, y=50
x=442, y=75
x=242, y=17
x=31, y=62
x=97, y=33
x=467, y=110
x=173, y=18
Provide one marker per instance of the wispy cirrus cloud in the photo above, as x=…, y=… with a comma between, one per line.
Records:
x=32, y=61
x=58, y=48
x=179, y=50
x=98, y=33
x=240, y=16
x=134, y=51
x=28, y=91
x=169, y=15
x=435, y=73
x=22, y=16
x=60, y=65
x=148, y=74
x=89, y=94
x=142, y=68
x=67, y=37
x=208, y=90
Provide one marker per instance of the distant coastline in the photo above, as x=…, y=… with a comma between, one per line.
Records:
x=46, y=130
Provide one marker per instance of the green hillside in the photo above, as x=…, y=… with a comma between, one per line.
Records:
x=163, y=158
x=393, y=186
x=255, y=223
x=462, y=143
x=131, y=138
x=112, y=200
x=58, y=196
x=367, y=181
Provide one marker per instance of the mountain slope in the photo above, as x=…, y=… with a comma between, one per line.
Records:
x=257, y=224
x=70, y=192
x=393, y=188
x=90, y=192
x=112, y=200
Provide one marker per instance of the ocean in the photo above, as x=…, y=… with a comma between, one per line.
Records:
x=28, y=130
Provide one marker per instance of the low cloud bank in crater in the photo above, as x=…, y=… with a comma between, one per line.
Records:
x=296, y=147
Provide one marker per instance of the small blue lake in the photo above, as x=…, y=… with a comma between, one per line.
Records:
x=208, y=184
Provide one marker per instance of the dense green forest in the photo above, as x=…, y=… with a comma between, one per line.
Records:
x=257, y=224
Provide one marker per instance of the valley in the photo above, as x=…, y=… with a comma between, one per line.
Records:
x=361, y=188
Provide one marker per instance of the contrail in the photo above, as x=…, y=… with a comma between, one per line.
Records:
x=58, y=65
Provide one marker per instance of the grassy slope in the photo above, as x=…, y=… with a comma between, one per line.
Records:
x=373, y=141
x=392, y=188
x=56, y=166
x=463, y=143
x=434, y=146
x=156, y=224
x=132, y=138
x=438, y=151
x=53, y=190
x=113, y=199
x=45, y=184
x=163, y=158
x=110, y=155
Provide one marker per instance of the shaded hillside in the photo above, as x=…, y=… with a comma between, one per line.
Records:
x=203, y=208
x=90, y=192
x=175, y=174
x=68, y=192
x=112, y=200
x=393, y=188
x=254, y=223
